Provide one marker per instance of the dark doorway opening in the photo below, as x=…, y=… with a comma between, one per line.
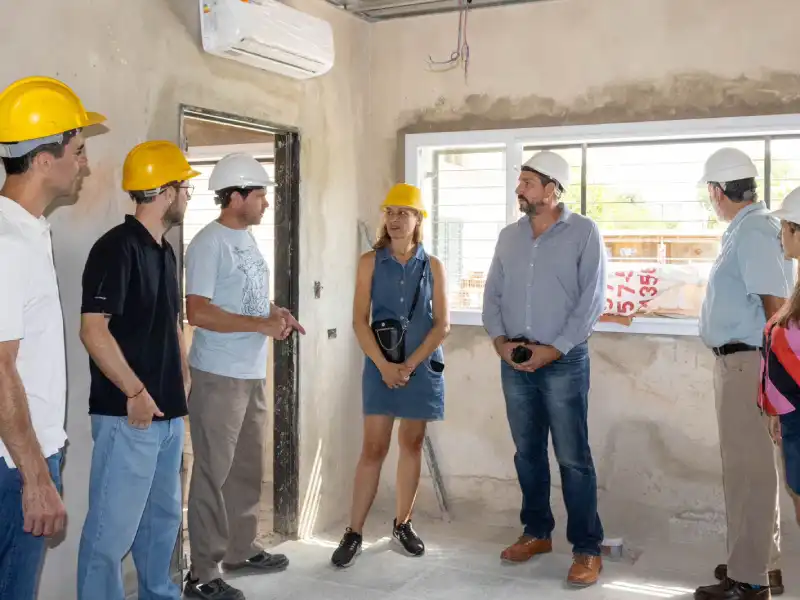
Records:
x=206, y=136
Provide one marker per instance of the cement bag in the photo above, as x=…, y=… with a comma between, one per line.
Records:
x=663, y=290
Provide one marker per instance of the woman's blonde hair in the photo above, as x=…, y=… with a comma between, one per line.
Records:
x=383, y=239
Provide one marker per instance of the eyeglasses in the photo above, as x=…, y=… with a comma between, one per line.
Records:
x=188, y=187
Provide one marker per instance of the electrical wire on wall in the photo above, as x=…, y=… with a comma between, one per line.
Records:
x=460, y=55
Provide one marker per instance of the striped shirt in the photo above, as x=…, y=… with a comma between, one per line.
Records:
x=779, y=387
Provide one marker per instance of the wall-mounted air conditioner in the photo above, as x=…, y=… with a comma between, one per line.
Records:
x=267, y=35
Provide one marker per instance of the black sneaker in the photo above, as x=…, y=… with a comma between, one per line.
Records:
x=263, y=561
x=348, y=550
x=216, y=589
x=775, y=578
x=728, y=589
x=408, y=538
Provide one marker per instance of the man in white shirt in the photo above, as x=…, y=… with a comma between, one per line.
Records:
x=42, y=150
x=228, y=301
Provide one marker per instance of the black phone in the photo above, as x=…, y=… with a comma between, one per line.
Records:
x=521, y=354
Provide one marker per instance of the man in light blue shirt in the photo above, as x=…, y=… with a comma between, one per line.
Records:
x=228, y=301
x=544, y=293
x=749, y=282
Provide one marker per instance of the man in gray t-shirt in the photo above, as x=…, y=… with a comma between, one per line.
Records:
x=228, y=303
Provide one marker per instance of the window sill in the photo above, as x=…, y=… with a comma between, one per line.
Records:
x=654, y=326
x=642, y=325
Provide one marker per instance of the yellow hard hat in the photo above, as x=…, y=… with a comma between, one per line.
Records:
x=151, y=165
x=403, y=194
x=41, y=107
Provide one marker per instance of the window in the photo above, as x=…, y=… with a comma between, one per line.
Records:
x=639, y=182
x=785, y=169
x=468, y=212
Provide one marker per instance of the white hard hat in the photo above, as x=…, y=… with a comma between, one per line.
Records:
x=728, y=164
x=790, y=209
x=238, y=170
x=551, y=165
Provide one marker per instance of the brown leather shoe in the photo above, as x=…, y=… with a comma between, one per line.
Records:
x=585, y=570
x=525, y=548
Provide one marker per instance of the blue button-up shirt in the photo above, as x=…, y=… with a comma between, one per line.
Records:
x=750, y=264
x=549, y=289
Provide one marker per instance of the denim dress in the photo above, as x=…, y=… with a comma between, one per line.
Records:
x=393, y=288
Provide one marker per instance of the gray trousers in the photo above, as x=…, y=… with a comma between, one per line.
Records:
x=749, y=472
x=227, y=421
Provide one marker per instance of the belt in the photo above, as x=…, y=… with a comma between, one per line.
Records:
x=733, y=348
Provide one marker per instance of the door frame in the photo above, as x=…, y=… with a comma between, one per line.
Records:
x=286, y=353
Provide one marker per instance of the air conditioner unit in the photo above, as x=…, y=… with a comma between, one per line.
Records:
x=267, y=35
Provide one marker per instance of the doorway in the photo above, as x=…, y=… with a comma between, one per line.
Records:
x=207, y=136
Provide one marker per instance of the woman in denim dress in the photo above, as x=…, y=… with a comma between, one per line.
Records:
x=413, y=392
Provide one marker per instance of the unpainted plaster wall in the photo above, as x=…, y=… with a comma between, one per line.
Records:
x=652, y=419
x=136, y=62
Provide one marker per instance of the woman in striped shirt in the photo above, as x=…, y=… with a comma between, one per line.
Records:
x=779, y=389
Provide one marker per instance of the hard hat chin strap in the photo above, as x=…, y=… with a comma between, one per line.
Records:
x=153, y=193
x=19, y=149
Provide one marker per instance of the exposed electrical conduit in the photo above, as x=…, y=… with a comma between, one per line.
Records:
x=461, y=53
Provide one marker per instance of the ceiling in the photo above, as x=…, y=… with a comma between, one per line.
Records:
x=381, y=10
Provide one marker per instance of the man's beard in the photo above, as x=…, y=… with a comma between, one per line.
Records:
x=173, y=216
x=526, y=207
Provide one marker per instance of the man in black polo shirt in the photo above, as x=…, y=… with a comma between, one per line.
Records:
x=130, y=327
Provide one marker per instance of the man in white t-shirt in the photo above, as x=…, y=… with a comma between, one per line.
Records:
x=228, y=302
x=42, y=151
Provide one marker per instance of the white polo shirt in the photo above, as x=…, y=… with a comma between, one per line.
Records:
x=30, y=311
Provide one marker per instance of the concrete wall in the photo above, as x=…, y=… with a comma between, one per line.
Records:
x=653, y=426
x=136, y=62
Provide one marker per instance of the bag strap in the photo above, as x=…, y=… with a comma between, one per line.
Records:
x=419, y=288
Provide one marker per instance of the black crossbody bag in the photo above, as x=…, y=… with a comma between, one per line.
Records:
x=391, y=333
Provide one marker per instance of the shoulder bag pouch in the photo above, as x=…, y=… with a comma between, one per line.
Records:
x=390, y=333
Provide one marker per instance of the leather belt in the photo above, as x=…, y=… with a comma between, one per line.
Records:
x=733, y=348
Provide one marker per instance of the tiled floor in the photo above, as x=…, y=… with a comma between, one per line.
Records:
x=458, y=567
x=666, y=557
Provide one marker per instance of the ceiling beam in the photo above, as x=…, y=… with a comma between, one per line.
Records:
x=380, y=10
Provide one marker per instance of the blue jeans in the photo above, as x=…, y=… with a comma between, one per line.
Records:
x=790, y=445
x=21, y=553
x=134, y=505
x=553, y=400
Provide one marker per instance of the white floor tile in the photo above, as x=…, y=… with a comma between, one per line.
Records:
x=463, y=563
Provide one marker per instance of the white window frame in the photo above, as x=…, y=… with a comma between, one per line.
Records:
x=514, y=140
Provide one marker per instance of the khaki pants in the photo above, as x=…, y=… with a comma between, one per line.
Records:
x=227, y=420
x=749, y=473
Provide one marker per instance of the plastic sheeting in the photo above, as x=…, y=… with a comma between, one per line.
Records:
x=657, y=290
